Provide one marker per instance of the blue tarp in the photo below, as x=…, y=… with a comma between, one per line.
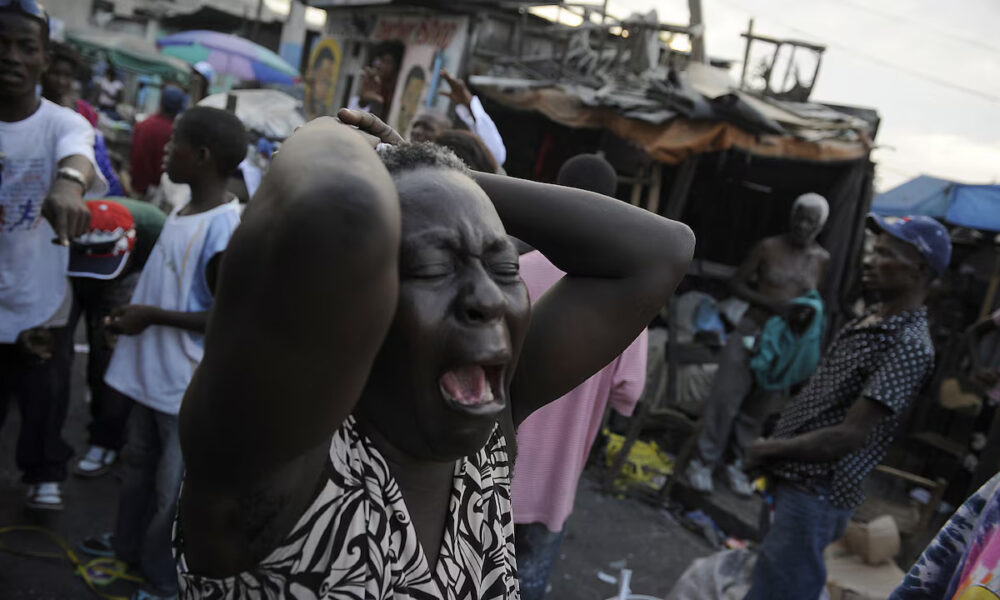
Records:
x=924, y=195
x=975, y=206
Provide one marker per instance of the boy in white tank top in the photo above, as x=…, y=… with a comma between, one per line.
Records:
x=162, y=341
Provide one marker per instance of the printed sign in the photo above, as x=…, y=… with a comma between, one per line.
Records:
x=321, y=78
x=412, y=87
x=417, y=31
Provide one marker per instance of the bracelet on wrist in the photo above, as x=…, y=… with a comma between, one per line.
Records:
x=71, y=174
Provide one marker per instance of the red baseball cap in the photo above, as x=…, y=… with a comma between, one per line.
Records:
x=103, y=251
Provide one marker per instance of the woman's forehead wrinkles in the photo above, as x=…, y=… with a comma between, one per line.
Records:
x=457, y=239
x=438, y=237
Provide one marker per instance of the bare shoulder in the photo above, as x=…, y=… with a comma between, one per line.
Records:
x=820, y=253
x=770, y=245
x=771, y=242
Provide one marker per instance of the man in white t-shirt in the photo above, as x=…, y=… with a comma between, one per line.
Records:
x=111, y=89
x=47, y=157
x=427, y=125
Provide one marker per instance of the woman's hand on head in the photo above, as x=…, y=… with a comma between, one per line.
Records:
x=370, y=125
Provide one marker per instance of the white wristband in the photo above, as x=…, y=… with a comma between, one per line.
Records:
x=73, y=175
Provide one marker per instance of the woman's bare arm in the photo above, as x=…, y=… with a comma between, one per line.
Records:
x=621, y=263
x=306, y=292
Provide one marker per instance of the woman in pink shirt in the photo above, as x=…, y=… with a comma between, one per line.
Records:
x=554, y=441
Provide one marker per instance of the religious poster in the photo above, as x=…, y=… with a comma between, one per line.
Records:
x=321, y=79
x=412, y=85
x=431, y=43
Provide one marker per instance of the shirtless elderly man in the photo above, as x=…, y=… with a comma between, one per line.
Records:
x=778, y=270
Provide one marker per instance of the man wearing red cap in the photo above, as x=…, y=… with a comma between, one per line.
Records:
x=839, y=426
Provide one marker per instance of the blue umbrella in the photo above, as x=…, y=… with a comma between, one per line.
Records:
x=229, y=54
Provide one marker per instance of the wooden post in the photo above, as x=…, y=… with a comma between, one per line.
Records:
x=788, y=70
x=746, y=54
x=636, y=198
x=815, y=77
x=681, y=188
x=991, y=291
x=697, y=41
x=653, y=204
x=989, y=458
x=523, y=31
x=255, y=30
x=604, y=32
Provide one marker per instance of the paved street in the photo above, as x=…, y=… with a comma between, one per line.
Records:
x=603, y=531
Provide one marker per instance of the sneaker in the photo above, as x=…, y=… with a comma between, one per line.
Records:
x=44, y=496
x=98, y=545
x=96, y=462
x=738, y=481
x=699, y=475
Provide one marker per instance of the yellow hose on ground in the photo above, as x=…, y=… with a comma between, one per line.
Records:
x=108, y=568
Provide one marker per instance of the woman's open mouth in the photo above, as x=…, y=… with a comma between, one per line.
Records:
x=474, y=389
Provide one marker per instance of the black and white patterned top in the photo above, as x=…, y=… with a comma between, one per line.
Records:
x=356, y=540
x=887, y=361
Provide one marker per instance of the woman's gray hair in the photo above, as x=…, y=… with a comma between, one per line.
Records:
x=409, y=156
x=813, y=200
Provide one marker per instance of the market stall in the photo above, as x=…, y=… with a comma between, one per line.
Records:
x=130, y=54
x=140, y=65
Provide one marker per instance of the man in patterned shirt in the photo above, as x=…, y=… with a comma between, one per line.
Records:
x=838, y=428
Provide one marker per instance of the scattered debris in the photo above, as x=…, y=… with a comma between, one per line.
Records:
x=736, y=544
x=921, y=495
x=699, y=522
x=646, y=464
x=611, y=579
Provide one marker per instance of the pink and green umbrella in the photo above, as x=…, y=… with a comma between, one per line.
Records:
x=230, y=54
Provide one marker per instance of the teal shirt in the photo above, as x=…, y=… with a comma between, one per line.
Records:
x=784, y=359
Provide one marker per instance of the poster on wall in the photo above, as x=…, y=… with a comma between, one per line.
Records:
x=321, y=78
x=412, y=86
x=431, y=43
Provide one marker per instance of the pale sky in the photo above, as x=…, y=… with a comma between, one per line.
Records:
x=884, y=55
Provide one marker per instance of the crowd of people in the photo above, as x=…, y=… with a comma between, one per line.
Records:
x=383, y=378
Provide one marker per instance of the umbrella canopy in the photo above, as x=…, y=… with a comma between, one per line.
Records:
x=229, y=54
x=130, y=53
x=270, y=112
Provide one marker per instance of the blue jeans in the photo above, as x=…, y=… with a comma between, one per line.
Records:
x=536, y=549
x=790, y=562
x=154, y=468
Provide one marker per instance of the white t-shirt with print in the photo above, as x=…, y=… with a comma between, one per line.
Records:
x=33, y=282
